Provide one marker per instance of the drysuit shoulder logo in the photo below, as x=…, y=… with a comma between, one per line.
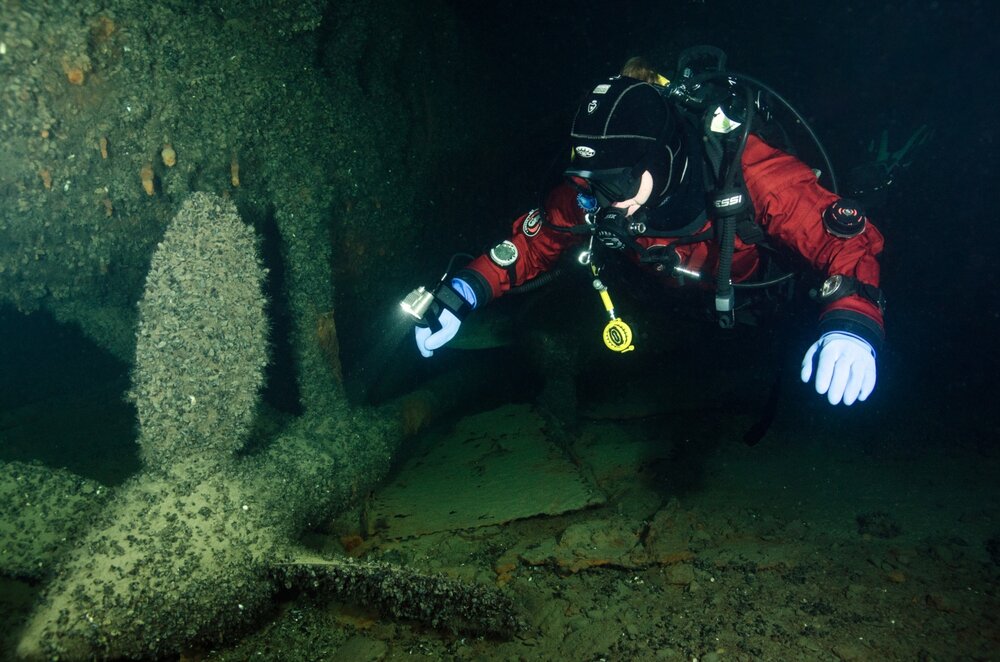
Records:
x=592, y=106
x=532, y=223
x=585, y=152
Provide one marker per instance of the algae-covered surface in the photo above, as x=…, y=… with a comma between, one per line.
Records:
x=769, y=554
x=828, y=540
x=507, y=466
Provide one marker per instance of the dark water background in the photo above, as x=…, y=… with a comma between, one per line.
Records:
x=854, y=69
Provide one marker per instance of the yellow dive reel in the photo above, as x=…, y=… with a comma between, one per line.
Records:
x=617, y=334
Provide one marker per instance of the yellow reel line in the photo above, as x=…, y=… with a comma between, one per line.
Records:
x=617, y=334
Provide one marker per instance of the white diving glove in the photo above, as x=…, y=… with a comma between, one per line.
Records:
x=428, y=341
x=845, y=370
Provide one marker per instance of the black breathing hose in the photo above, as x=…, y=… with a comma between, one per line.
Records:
x=764, y=283
x=727, y=240
x=451, y=263
x=535, y=283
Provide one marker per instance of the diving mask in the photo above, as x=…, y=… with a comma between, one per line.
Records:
x=611, y=186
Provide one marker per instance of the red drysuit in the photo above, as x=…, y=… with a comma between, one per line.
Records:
x=789, y=204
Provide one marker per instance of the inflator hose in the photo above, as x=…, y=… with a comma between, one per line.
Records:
x=535, y=283
x=723, y=283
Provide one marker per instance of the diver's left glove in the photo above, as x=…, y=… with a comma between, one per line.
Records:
x=452, y=302
x=845, y=369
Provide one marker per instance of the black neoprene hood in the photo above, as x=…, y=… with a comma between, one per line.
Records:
x=618, y=125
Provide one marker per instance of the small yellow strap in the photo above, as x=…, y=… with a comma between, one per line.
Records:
x=660, y=80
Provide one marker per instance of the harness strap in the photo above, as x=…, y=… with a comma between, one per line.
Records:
x=749, y=230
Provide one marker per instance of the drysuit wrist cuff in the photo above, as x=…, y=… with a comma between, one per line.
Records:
x=464, y=290
x=854, y=323
x=477, y=286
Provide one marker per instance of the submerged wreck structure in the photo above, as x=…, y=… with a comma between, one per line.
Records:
x=199, y=539
x=145, y=154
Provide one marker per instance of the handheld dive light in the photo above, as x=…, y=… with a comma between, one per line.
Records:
x=425, y=306
x=418, y=302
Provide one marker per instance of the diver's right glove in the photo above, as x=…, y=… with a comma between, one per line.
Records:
x=452, y=302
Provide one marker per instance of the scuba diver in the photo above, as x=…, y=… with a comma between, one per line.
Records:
x=687, y=180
